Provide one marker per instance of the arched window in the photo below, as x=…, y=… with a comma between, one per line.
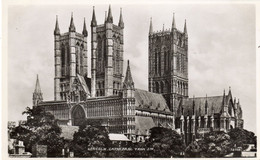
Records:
x=162, y=87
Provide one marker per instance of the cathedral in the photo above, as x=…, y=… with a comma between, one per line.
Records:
x=111, y=97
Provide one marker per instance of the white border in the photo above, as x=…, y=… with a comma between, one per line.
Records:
x=4, y=40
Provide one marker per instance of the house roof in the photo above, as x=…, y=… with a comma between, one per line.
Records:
x=154, y=101
x=117, y=137
x=68, y=131
x=143, y=125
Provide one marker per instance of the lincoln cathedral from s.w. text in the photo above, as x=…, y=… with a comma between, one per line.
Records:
x=110, y=95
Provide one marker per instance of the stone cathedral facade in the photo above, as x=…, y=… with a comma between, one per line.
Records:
x=111, y=97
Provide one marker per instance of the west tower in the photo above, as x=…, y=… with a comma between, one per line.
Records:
x=70, y=63
x=168, y=63
x=106, y=55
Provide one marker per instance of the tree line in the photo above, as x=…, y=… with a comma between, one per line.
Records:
x=41, y=128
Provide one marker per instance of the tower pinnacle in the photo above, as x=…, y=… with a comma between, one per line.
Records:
x=72, y=27
x=93, y=21
x=85, y=32
x=163, y=28
x=185, y=27
x=57, y=29
x=109, y=17
x=121, y=23
x=151, y=26
x=173, y=22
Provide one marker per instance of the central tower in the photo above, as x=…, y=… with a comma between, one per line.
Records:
x=106, y=56
x=168, y=63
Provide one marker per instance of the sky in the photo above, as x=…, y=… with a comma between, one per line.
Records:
x=221, y=48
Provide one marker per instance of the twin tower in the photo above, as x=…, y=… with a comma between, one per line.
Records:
x=71, y=69
x=168, y=61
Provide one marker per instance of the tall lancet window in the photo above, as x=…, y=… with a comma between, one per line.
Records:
x=67, y=64
x=155, y=61
x=81, y=58
x=116, y=55
x=178, y=62
x=63, y=60
x=159, y=63
x=78, y=58
x=165, y=61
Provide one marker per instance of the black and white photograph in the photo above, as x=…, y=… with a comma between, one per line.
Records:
x=131, y=80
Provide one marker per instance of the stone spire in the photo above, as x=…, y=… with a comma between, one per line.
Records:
x=109, y=17
x=151, y=26
x=224, y=98
x=93, y=21
x=224, y=102
x=121, y=22
x=37, y=86
x=72, y=26
x=85, y=32
x=128, y=83
x=37, y=94
x=57, y=29
x=173, y=22
x=185, y=27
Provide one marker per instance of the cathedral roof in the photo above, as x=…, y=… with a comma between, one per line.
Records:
x=143, y=125
x=149, y=100
x=214, y=103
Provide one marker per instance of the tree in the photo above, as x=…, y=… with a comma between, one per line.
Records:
x=194, y=149
x=165, y=143
x=241, y=137
x=40, y=128
x=213, y=144
x=91, y=140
